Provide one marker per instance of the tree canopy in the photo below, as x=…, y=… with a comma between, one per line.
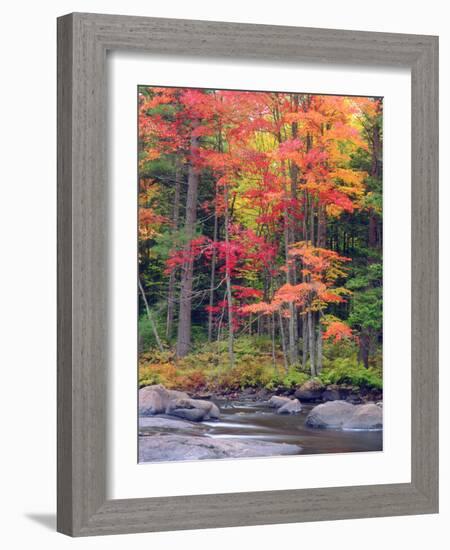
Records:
x=260, y=214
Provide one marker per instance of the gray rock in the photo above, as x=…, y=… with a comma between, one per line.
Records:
x=194, y=415
x=365, y=417
x=156, y=448
x=331, y=393
x=311, y=390
x=292, y=407
x=332, y=414
x=181, y=403
x=157, y=399
x=344, y=415
x=208, y=408
x=277, y=401
x=164, y=423
x=379, y=404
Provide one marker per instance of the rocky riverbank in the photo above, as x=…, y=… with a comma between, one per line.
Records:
x=311, y=391
x=176, y=426
x=171, y=446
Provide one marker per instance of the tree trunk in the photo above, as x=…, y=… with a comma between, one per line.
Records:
x=283, y=341
x=321, y=228
x=372, y=229
x=213, y=276
x=150, y=317
x=311, y=344
x=294, y=230
x=184, y=317
x=319, y=344
x=288, y=230
x=272, y=326
x=364, y=345
x=172, y=277
x=376, y=172
x=376, y=151
x=228, y=282
x=293, y=354
x=304, y=341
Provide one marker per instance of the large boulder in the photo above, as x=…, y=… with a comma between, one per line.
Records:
x=344, y=415
x=332, y=414
x=365, y=417
x=210, y=408
x=165, y=447
x=293, y=406
x=311, y=390
x=153, y=400
x=277, y=401
x=202, y=410
x=157, y=399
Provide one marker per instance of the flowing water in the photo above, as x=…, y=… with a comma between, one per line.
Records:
x=255, y=420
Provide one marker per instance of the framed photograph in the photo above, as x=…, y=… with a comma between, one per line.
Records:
x=247, y=274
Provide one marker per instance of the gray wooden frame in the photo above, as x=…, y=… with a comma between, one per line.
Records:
x=83, y=40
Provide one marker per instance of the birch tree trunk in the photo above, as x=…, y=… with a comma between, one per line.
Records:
x=228, y=282
x=150, y=317
x=304, y=341
x=272, y=327
x=319, y=344
x=293, y=353
x=311, y=344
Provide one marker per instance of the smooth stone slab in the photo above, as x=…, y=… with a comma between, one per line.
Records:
x=163, y=423
x=154, y=448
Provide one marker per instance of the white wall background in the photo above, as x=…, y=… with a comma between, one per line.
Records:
x=28, y=271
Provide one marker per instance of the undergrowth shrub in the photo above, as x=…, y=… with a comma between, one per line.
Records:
x=207, y=368
x=349, y=371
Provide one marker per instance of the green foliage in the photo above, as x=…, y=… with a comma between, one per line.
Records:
x=334, y=351
x=170, y=240
x=247, y=375
x=146, y=335
x=373, y=198
x=348, y=371
x=294, y=377
x=367, y=309
x=208, y=368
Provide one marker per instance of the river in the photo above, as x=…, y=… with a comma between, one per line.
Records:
x=256, y=420
x=251, y=422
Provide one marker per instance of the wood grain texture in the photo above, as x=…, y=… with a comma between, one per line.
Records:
x=83, y=40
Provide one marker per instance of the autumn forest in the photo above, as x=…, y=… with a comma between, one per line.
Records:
x=260, y=240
